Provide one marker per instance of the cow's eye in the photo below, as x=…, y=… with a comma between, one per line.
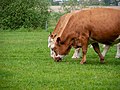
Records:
x=62, y=43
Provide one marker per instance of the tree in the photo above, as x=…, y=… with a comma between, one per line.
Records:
x=23, y=13
x=71, y=5
x=107, y=2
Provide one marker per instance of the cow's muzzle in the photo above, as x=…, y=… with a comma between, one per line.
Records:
x=57, y=59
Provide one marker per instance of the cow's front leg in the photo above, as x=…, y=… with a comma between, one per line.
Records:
x=84, y=51
x=97, y=50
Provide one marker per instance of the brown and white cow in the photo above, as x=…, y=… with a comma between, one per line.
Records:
x=88, y=26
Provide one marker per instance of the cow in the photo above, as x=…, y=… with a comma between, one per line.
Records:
x=77, y=50
x=100, y=25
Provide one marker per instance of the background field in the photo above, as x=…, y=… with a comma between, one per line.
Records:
x=25, y=64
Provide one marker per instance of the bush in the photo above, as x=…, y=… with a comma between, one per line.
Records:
x=54, y=17
x=23, y=13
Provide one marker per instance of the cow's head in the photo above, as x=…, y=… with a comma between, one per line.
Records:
x=59, y=49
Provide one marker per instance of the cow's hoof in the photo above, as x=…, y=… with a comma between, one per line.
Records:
x=82, y=62
x=57, y=59
x=102, y=62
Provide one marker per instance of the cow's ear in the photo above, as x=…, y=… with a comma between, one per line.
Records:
x=58, y=40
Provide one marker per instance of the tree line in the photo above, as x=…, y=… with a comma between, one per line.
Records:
x=23, y=13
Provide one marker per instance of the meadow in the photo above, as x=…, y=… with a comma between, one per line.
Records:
x=25, y=64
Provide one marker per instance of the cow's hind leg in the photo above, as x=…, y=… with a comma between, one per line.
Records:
x=97, y=50
x=76, y=53
x=118, y=51
x=106, y=48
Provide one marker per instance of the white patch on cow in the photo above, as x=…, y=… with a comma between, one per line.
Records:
x=51, y=45
x=106, y=48
x=76, y=53
x=49, y=41
x=118, y=37
x=60, y=56
x=91, y=46
x=52, y=53
x=118, y=51
x=117, y=41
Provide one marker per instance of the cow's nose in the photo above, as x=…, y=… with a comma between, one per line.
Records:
x=58, y=59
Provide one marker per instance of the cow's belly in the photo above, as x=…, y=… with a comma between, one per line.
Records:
x=105, y=41
x=116, y=40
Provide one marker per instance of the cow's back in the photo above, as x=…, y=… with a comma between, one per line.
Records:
x=103, y=24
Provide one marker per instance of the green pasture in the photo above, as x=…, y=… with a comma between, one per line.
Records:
x=25, y=64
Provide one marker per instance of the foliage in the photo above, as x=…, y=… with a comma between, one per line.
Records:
x=25, y=64
x=71, y=5
x=23, y=13
x=54, y=17
x=107, y=2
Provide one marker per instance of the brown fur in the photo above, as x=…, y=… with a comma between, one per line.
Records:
x=101, y=25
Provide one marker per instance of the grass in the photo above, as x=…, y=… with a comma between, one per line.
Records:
x=25, y=64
